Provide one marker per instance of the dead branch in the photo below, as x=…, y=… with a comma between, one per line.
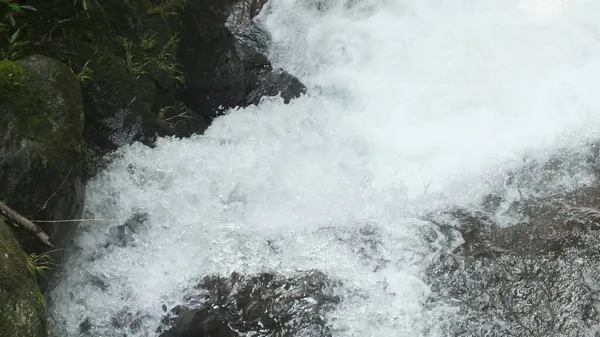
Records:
x=79, y=220
x=29, y=226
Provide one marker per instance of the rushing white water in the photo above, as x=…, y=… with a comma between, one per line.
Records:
x=412, y=105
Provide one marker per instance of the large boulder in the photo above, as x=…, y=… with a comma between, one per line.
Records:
x=266, y=304
x=41, y=145
x=22, y=307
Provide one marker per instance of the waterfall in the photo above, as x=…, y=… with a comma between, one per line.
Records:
x=412, y=107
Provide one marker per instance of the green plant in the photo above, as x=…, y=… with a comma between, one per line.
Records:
x=167, y=62
x=86, y=72
x=14, y=48
x=155, y=61
x=15, y=8
x=148, y=43
x=168, y=7
x=136, y=68
x=38, y=263
x=171, y=115
x=84, y=4
x=11, y=31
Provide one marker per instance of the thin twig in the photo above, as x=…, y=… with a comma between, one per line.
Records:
x=53, y=28
x=53, y=194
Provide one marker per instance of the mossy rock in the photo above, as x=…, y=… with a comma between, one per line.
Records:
x=41, y=144
x=22, y=306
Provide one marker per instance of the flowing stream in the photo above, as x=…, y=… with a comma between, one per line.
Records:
x=413, y=106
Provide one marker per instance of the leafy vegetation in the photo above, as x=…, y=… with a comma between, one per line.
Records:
x=167, y=62
x=14, y=49
x=13, y=9
x=72, y=21
x=148, y=43
x=138, y=68
x=156, y=61
x=84, y=4
x=85, y=74
x=167, y=7
x=11, y=29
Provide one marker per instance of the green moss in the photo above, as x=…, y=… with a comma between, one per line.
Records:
x=22, y=306
x=12, y=78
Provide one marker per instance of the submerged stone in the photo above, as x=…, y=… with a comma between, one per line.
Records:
x=266, y=304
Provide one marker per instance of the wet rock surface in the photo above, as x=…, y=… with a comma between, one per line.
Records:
x=266, y=304
x=223, y=53
x=535, y=277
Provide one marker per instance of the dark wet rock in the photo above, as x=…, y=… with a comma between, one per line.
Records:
x=260, y=305
x=41, y=145
x=223, y=54
x=85, y=327
x=255, y=7
x=118, y=107
x=270, y=83
x=123, y=235
x=127, y=319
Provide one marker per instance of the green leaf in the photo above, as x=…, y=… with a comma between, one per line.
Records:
x=15, y=36
x=31, y=8
x=19, y=44
x=14, y=7
x=11, y=19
